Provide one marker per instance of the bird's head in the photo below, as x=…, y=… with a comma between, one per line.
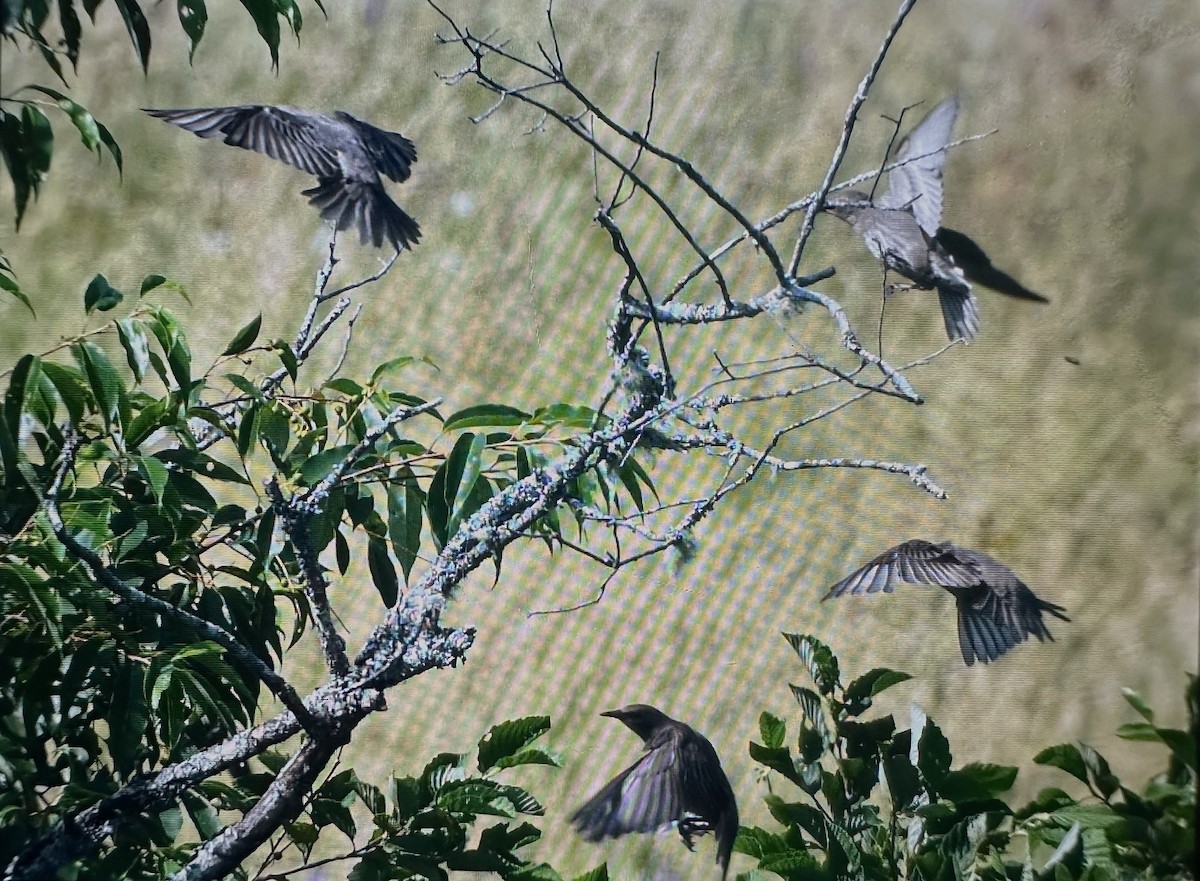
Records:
x=642, y=719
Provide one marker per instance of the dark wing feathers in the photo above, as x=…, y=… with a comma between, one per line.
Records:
x=919, y=183
x=914, y=562
x=289, y=136
x=391, y=152
x=677, y=780
x=996, y=610
x=644, y=797
x=977, y=266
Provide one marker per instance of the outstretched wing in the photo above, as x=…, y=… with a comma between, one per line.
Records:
x=645, y=797
x=289, y=135
x=707, y=793
x=977, y=266
x=390, y=152
x=1000, y=614
x=919, y=183
x=914, y=562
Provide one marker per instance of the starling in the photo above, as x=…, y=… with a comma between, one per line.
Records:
x=996, y=610
x=346, y=154
x=678, y=781
x=903, y=229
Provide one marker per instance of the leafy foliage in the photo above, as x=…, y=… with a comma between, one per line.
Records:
x=161, y=494
x=881, y=803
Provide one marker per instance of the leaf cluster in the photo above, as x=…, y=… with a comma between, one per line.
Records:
x=880, y=802
x=108, y=665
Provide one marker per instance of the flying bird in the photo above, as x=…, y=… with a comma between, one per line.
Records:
x=903, y=228
x=347, y=155
x=996, y=610
x=677, y=781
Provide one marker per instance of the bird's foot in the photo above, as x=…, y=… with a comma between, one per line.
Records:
x=890, y=290
x=692, y=826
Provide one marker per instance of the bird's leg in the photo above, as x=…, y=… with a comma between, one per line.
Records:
x=690, y=826
x=890, y=290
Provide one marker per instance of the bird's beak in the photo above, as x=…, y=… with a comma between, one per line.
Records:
x=612, y=714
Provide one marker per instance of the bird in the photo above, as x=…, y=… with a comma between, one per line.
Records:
x=996, y=610
x=677, y=781
x=347, y=155
x=903, y=228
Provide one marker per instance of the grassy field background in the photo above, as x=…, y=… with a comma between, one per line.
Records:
x=1082, y=477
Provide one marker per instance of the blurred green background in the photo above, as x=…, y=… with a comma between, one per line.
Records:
x=1081, y=477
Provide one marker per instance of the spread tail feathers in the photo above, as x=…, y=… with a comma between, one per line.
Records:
x=367, y=206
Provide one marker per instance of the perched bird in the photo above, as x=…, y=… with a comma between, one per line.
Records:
x=346, y=154
x=996, y=610
x=903, y=228
x=677, y=781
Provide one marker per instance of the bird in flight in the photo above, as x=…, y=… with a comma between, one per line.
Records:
x=347, y=155
x=903, y=228
x=677, y=781
x=996, y=610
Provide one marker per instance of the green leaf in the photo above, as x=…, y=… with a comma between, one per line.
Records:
x=193, y=16
x=8, y=282
x=467, y=459
x=406, y=504
x=100, y=295
x=137, y=348
x=27, y=145
x=1102, y=776
x=533, y=755
x=777, y=760
x=68, y=20
x=92, y=132
x=977, y=781
x=41, y=601
x=245, y=337
x=818, y=658
x=287, y=357
x=320, y=465
x=138, y=28
x=903, y=781
x=508, y=738
x=792, y=864
x=383, y=573
x=1136, y=701
x=1182, y=745
x=394, y=364
x=156, y=475
x=71, y=387
x=773, y=730
x=1049, y=799
x=933, y=754
x=202, y=813
x=861, y=690
x=1139, y=731
x=1066, y=757
x=103, y=379
x=810, y=705
x=264, y=15
x=1089, y=816
x=805, y=816
x=127, y=717
x=566, y=415
x=485, y=414
x=149, y=283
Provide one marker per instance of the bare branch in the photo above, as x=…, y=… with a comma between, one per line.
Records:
x=839, y=153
